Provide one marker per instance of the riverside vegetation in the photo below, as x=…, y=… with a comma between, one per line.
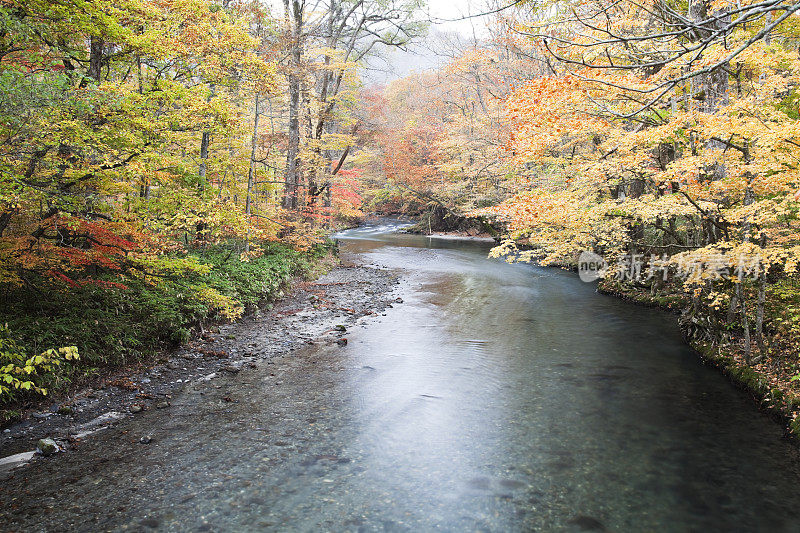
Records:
x=661, y=133
x=114, y=326
x=153, y=175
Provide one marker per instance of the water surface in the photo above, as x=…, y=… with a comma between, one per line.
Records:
x=496, y=397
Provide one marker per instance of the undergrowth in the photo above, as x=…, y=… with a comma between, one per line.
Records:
x=130, y=319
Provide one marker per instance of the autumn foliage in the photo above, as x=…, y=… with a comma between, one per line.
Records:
x=661, y=136
x=138, y=179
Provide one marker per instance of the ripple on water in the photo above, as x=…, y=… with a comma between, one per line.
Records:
x=546, y=408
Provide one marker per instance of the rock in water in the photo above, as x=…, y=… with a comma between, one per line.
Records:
x=342, y=341
x=339, y=327
x=47, y=447
x=587, y=523
x=151, y=523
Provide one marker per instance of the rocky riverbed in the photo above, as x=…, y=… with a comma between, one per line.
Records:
x=492, y=397
x=317, y=312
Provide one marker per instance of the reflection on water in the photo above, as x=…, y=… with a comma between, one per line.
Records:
x=496, y=398
x=515, y=397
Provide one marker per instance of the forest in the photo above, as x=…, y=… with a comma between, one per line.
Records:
x=166, y=165
x=399, y=265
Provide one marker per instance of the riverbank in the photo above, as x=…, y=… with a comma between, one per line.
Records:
x=460, y=236
x=496, y=396
x=312, y=312
x=133, y=316
x=769, y=378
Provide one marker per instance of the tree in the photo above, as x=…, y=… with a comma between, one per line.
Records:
x=665, y=132
x=322, y=54
x=101, y=102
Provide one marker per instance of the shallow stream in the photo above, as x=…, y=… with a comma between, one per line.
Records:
x=496, y=397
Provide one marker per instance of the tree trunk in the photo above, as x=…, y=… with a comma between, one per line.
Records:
x=96, y=58
x=251, y=175
x=748, y=199
x=762, y=290
x=745, y=320
x=294, y=17
x=205, y=141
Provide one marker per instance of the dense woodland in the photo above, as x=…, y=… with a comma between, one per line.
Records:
x=168, y=163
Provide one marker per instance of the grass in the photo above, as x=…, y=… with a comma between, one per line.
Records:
x=117, y=326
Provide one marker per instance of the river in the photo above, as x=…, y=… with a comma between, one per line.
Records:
x=496, y=397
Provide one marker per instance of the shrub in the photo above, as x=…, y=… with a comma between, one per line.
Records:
x=124, y=318
x=18, y=372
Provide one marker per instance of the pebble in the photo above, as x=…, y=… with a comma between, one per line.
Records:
x=230, y=368
x=105, y=418
x=587, y=523
x=162, y=405
x=147, y=439
x=151, y=523
x=342, y=341
x=136, y=408
x=47, y=447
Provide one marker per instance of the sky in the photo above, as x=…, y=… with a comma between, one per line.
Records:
x=454, y=9
x=439, y=9
x=393, y=63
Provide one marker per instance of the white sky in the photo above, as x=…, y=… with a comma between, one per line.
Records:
x=452, y=9
x=442, y=9
x=424, y=54
x=393, y=63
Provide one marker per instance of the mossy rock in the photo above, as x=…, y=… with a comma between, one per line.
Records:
x=47, y=447
x=749, y=378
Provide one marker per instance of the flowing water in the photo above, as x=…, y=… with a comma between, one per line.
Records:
x=496, y=397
